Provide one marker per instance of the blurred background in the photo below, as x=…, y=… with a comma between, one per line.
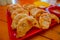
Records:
x=6, y=2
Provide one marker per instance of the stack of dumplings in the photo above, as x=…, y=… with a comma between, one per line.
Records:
x=27, y=16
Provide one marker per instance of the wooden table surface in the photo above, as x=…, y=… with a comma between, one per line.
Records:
x=52, y=34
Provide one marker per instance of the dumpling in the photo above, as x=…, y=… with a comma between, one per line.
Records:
x=45, y=21
x=13, y=7
x=16, y=19
x=25, y=24
x=36, y=12
x=19, y=11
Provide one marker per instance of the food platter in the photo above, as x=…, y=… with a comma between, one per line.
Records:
x=54, y=10
x=32, y=32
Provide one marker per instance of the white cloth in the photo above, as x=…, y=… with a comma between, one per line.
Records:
x=53, y=2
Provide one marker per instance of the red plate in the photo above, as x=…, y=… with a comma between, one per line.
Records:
x=33, y=31
x=52, y=8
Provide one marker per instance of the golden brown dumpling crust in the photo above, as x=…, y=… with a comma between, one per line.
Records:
x=36, y=12
x=13, y=7
x=45, y=21
x=25, y=24
x=16, y=19
x=19, y=11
